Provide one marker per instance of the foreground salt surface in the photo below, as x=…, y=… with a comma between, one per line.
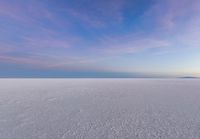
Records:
x=99, y=109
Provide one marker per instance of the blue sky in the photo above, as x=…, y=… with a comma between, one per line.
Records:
x=99, y=38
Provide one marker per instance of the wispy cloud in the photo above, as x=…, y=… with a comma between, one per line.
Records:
x=30, y=13
x=168, y=14
x=23, y=11
x=131, y=44
x=49, y=62
x=174, y=24
x=45, y=42
x=97, y=13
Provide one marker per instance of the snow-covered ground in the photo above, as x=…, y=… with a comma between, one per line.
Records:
x=99, y=109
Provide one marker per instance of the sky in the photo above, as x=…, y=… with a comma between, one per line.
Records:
x=99, y=38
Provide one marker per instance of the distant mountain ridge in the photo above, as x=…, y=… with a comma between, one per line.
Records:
x=189, y=77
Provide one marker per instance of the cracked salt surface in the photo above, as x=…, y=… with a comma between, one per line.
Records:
x=99, y=109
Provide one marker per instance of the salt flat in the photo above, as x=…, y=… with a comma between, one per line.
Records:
x=99, y=109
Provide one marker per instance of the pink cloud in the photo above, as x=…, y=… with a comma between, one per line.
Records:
x=181, y=19
x=22, y=61
x=6, y=48
x=28, y=12
x=53, y=62
x=168, y=14
x=45, y=42
x=189, y=36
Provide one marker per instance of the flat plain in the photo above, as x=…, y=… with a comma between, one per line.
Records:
x=99, y=109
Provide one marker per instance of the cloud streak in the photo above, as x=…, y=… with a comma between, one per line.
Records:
x=97, y=13
x=130, y=44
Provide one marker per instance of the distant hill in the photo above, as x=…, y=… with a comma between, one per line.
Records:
x=189, y=77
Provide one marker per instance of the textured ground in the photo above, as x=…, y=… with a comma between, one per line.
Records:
x=99, y=109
